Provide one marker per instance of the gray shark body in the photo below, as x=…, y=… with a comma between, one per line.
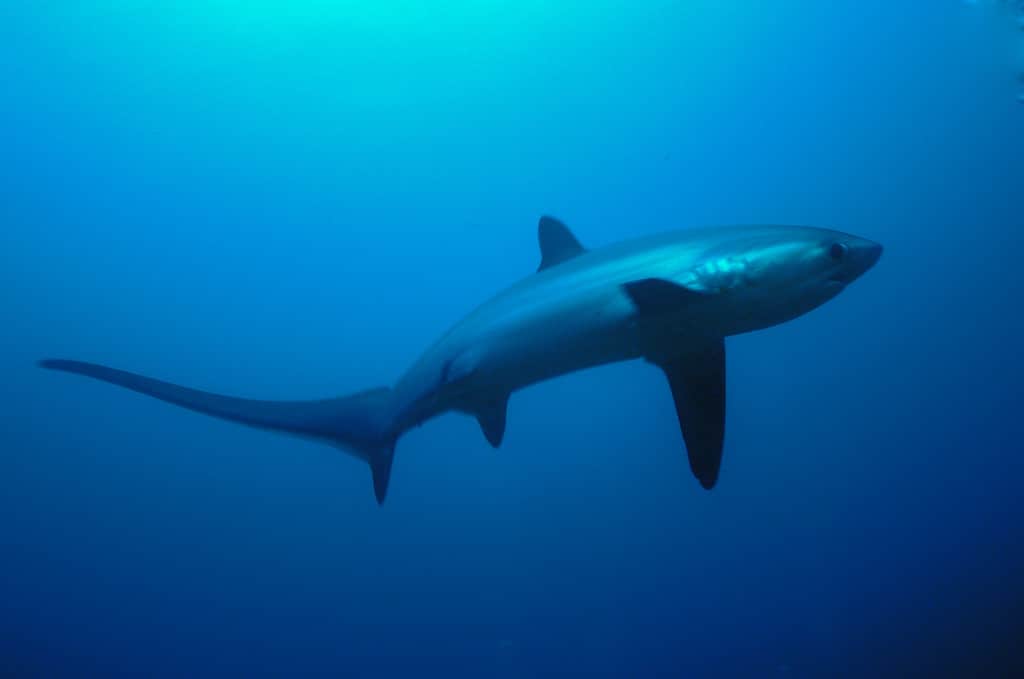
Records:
x=669, y=299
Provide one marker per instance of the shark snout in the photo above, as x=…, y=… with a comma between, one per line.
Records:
x=859, y=255
x=866, y=254
x=872, y=252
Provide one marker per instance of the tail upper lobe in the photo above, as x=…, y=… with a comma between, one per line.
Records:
x=359, y=423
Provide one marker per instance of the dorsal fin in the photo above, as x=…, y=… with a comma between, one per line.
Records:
x=557, y=243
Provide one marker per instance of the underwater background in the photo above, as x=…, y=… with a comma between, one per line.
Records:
x=293, y=199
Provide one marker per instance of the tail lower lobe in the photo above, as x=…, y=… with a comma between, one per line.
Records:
x=359, y=423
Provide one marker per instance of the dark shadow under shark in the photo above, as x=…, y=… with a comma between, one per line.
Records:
x=669, y=299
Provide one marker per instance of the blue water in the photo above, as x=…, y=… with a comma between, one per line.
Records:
x=293, y=199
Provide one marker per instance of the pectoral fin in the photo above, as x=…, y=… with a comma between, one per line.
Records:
x=697, y=380
x=655, y=296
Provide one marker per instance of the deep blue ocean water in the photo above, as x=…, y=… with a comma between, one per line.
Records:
x=293, y=199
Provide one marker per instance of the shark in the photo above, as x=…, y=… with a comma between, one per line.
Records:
x=670, y=299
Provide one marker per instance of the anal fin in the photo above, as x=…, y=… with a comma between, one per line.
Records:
x=491, y=415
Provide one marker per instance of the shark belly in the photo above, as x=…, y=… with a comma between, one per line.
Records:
x=503, y=349
x=595, y=329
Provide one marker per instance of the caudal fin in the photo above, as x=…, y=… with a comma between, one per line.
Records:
x=359, y=423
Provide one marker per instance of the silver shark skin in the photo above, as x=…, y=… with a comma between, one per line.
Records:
x=578, y=314
x=670, y=299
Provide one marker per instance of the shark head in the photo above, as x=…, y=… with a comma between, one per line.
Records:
x=805, y=262
x=803, y=269
x=769, y=275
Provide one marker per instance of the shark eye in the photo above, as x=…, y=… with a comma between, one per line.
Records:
x=837, y=251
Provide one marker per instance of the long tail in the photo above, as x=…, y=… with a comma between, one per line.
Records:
x=359, y=423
